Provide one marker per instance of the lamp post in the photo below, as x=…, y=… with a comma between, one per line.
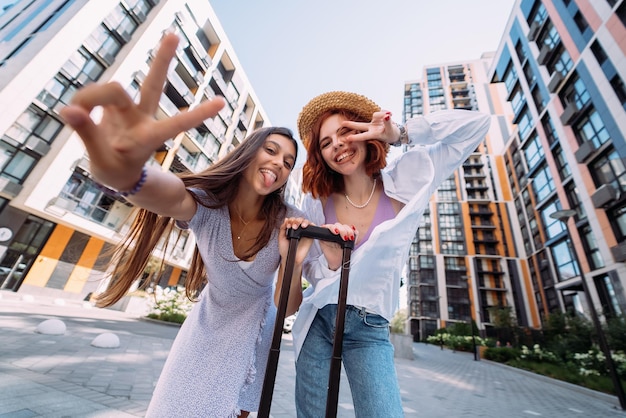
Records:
x=471, y=322
x=563, y=216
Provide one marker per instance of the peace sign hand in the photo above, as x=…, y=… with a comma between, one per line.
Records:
x=380, y=128
x=128, y=133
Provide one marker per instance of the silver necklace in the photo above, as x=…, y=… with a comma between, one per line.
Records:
x=368, y=200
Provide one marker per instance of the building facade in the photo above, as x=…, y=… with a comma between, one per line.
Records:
x=540, y=206
x=56, y=224
x=563, y=66
x=463, y=261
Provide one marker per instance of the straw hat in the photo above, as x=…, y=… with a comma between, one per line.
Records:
x=334, y=100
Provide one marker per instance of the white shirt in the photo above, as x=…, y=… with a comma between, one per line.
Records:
x=441, y=142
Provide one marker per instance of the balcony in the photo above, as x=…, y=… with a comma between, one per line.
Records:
x=555, y=82
x=534, y=30
x=604, y=195
x=585, y=150
x=568, y=114
x=619, y=251
x=9, y=188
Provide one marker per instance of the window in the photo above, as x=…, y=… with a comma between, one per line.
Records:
x=57, y=93
x=564, y=260
x=510, y=77
x=581, y=22
x=620, y=12
x=538, y=99
x=454, y=263
x=102, y=43
x=575, y=93
x=529, y=73
x=92, y=202
x=598, y=52
x=609, y=169
x=619, y=89
x=574, y=201
x=521, y=53
x=448, y=208
x=538, y=13
x=15, y=164
x=617, y=217
x=561, y=163
x=592, y=252
x=548, y=127
x=426, y=262
x=543, y=184
x=553, y=227
x=590, y=128
x=549, y=38
x=524, y=123
x=120, y=23
x=33, y=122
x=533, y=151
x=82, y=67
x=517, y=99
x=560, y=62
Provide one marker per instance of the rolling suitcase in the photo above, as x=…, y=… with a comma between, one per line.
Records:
x=294, y=236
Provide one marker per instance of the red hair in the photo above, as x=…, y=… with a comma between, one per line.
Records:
x=318, y=178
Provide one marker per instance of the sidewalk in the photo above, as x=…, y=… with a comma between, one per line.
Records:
x=64, y=376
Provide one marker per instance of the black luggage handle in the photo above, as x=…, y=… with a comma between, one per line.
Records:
x=294, y=235
x=320, y=233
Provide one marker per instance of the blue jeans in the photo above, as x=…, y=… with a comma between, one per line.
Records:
x=367, y=358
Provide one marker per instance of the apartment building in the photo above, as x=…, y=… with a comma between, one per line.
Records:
x=539, y=208
x=56, y=224
x=463, y=261
x=563, y=67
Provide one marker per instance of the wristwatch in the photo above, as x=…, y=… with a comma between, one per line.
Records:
x=404, y=136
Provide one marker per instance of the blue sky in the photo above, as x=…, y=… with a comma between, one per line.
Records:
x=294, y=50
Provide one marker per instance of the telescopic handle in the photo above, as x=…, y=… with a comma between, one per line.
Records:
x=320, y=233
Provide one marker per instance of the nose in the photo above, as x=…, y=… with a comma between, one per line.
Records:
x=338, y=141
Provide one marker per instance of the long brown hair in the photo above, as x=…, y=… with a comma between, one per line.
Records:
x=217, y=186
x=318, y=178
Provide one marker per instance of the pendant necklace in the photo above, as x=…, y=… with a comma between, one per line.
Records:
x=242, y=221
x=364, y=204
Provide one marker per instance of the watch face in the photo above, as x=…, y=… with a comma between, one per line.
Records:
x=5, y=234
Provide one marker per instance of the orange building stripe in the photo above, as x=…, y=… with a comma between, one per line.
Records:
x=174, y=277
x=57, y=242
x=48, y=258
x=81, y=272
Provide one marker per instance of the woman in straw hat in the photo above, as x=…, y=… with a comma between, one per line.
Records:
x=351, y=189
x=235, y=209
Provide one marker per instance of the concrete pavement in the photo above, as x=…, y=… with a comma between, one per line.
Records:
x=64, y=376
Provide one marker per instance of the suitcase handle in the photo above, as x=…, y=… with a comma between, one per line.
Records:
x=321, y=233
x=294, y=235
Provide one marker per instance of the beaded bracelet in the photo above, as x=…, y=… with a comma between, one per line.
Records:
x=138, y=185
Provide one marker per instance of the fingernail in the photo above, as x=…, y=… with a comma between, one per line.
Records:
x=353, y=228
x=336, y=230
x=388, y=113
x=387, y=117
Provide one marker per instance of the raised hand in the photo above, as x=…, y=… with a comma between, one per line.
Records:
x=381, y=128
x=128, y=133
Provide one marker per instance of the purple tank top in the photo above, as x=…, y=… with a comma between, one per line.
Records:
x=384, y=212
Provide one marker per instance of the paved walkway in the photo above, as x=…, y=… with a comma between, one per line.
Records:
x=64, y=376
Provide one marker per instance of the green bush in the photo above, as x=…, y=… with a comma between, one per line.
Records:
x=501, y=354
x=170, y=305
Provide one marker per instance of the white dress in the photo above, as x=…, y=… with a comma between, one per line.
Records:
x=217, y=363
